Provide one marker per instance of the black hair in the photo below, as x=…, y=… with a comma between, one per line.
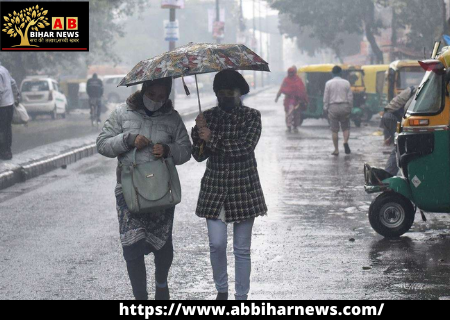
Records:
x=165, y=82
x=336, y=70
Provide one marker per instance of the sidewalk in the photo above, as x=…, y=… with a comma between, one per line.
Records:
x=34, y=162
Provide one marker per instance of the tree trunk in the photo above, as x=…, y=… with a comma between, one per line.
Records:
x=370, y=31
x=394, y=35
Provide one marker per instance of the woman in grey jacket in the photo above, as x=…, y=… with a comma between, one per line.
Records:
x=148, y=122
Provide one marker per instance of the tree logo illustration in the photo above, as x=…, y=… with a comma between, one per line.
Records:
x=33, y=17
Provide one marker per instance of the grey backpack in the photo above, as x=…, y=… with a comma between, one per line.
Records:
x=150, y=186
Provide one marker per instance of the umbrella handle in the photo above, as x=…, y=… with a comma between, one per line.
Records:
x=198, y=96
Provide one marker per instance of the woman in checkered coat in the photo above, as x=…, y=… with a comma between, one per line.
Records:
x=230, y=192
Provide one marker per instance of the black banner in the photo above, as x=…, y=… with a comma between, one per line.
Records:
x=151, y=309
x=44, y=26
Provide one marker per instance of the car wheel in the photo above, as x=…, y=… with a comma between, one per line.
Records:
x=63, y=115
x=391, y=215
x=54, y=113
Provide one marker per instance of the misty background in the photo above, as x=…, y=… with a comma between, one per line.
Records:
x=284, y=32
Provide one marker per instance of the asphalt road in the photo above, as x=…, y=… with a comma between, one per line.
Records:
x=60, y=240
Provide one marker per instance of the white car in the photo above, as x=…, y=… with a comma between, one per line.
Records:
x=42, y=95
x=114, y=94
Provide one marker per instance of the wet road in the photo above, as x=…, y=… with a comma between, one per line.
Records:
x=60, y=240
x=44, y=130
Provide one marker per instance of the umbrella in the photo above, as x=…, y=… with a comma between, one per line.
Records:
x=193, y=59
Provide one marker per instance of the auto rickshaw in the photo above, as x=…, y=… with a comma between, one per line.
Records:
x=401, y=75
x=316, y=76
x=376, y=89
x=423, y=155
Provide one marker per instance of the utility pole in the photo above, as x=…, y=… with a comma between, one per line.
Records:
x=217, y=17
x=172, y=18
x=172, y=45
x=254, y=39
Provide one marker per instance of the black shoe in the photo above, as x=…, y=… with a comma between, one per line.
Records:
x=347, y=148
x=222, y=296
x=6, y=155
x=162, y=293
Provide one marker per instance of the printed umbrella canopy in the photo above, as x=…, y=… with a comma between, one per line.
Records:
x=194, y=59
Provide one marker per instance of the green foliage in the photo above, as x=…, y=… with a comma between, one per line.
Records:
x=331, y=21
x=424, y=21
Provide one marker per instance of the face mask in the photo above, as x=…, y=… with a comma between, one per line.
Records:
x=151, y=105
x=228, y=103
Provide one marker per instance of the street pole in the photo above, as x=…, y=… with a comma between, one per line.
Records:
x=217, y=17
x=241, y=29
x=172, y=45
x=267, y=42
x=254, y=39
x=260, y=42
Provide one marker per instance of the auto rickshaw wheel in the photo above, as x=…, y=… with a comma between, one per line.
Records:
x=391, y=215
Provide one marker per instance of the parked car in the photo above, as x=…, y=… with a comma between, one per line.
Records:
x=114, y=94
x=42, y=95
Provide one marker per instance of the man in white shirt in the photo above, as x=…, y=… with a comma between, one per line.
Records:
x=338, y=104
x=9, y=94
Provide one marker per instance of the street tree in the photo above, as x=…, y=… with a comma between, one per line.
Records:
x=328, y=20
x=425, y=22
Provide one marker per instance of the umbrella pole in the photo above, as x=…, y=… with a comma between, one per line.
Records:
x=198, y=96
x=200, y=111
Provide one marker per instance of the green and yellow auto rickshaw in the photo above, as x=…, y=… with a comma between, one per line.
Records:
x=316, y=76
x=423, y=155
x=403, y=74
x=376, y=89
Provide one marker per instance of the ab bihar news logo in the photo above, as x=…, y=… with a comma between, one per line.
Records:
x=45, y=26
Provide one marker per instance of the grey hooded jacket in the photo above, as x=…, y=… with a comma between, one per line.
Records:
x=128, y=120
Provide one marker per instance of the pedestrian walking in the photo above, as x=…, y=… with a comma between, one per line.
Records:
x=295, y=100
x=338, y=104
x=230, y=193
x=94, y=89
x=9, y=95
x=148, y=122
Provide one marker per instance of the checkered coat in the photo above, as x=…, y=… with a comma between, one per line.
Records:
x=231, y=178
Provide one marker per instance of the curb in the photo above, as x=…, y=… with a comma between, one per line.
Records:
x=36, y=168
x=33, y=169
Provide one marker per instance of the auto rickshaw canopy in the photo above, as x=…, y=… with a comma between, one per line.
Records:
x=374, y=78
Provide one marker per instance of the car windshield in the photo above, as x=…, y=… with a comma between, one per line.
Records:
x=429, y=97
x=409, y=77
x=35, y=86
